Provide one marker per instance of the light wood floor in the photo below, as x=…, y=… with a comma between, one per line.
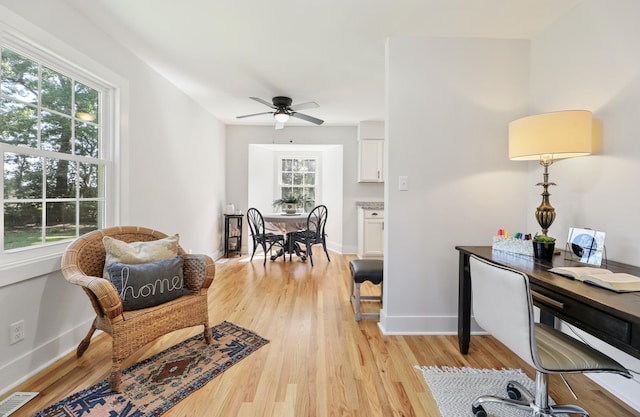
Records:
x=319, y=362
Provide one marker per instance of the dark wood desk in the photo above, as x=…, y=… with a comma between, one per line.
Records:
x=612, y=317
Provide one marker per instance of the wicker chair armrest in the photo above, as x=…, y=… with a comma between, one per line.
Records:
x=199, y=271
x=103, y=294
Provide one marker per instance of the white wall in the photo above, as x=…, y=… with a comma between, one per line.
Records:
x=177, y=165
x=240, y=137
x=173, y=165
x=449, y=102
x=590, y=60
x=261, y=178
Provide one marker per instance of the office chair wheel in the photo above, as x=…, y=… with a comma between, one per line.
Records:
x=478, y=411
x=513, y=392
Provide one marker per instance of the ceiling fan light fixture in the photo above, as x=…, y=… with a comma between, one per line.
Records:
x=284, y=110
x=281, y=116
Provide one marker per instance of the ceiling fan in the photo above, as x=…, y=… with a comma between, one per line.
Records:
x=284, y=110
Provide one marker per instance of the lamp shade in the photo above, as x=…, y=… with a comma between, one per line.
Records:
x=556, y=135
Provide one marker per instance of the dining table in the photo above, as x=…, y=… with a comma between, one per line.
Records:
x=287, y=224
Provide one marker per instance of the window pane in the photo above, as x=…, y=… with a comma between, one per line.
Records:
x=309, y=179
x=286, y=164
x=86, y=103
x=311, y=194
x=61, y=221
x=90, y=214
x=86, y=143
x=56, y=133
x=287, y=178
x=310, y=165
x=297, y=179
x=22, y=176
x=61, y=176
x=286, y=191
x=18, y=124
x=22, y=225
x=19, y=77
x=56, y=91
x=297, y=164
x=89, y=181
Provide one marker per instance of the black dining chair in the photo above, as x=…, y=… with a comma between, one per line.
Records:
x=261, y=237
x=314, y=233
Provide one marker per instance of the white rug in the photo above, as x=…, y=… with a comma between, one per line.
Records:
x=455, y=389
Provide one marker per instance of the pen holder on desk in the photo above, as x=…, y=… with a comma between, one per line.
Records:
x=511, y=245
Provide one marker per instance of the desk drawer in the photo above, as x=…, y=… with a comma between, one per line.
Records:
x=603, y=325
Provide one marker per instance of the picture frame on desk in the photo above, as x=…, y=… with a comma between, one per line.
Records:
x=586, y=246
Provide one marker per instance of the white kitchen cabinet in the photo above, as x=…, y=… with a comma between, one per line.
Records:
x=371, y=151
x=370, y=233
x=370, y=161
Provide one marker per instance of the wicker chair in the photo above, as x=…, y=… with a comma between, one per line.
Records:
x=82, y=264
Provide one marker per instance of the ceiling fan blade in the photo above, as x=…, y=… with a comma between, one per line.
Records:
x=279, y=125
x=307, y=118
x=304, y=106
x=254, y=114
x=265, y=102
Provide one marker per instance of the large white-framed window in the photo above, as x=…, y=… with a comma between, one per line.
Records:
x=57, y=140
x=299, y=176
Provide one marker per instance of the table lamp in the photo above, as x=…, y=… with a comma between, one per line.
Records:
x=546, y=137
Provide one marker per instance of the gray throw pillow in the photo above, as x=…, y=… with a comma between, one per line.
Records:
x=148, y=284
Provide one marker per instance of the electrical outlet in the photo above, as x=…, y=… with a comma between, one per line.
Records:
x=16, y=332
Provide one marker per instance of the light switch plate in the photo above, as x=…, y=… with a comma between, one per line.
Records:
x=403, y=183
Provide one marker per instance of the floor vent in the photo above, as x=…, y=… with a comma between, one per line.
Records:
x=15, y=401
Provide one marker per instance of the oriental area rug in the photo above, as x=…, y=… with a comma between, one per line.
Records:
x=455, y=389
x=154, y=385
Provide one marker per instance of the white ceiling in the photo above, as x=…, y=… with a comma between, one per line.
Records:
x=327, y=51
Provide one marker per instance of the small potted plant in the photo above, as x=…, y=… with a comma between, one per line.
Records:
x=543, y=247
x=290, y=202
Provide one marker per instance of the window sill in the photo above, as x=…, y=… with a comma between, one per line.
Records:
x=24, y=270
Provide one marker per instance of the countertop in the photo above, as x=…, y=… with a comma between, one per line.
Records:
x=370, y=205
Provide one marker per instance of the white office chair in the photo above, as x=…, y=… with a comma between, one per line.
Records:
x=502, y=306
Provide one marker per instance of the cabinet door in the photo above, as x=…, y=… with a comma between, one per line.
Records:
x=370, y=160
x=373, y=235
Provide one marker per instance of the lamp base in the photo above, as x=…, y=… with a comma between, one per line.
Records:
x=545, y=215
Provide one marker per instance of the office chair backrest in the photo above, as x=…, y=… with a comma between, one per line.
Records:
x=503, y=307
